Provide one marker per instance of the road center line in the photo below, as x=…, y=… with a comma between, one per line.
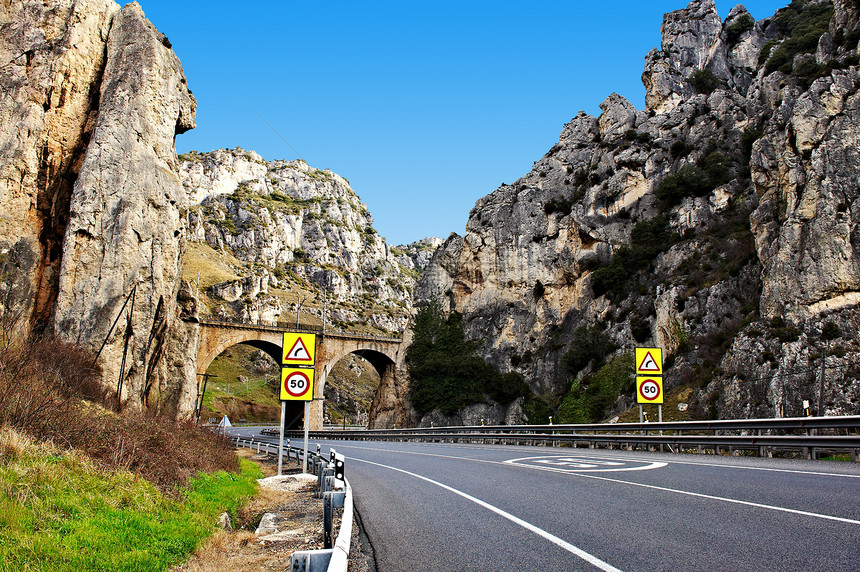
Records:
x=593, y=560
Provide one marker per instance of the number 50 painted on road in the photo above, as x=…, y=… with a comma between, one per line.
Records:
x=297, y=384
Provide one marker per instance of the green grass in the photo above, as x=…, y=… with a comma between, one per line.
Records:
x=62, y=512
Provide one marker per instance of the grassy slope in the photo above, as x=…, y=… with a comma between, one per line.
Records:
x=670, y=408
x=60, y=511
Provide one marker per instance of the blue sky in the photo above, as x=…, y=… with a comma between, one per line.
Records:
x=424, y=107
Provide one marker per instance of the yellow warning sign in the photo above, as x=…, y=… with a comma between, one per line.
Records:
x=649, y=361
x=297, y=384
x=649, y=389
x=299, y=348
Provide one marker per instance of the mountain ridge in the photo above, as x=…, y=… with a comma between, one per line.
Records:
x=718, y=223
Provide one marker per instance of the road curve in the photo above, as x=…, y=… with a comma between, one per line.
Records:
x=457, y=507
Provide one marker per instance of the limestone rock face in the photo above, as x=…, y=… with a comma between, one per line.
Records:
x=54, y=56
x=416, y=256
x=89, y=193
x=720, y=224
x=304, y=232
x=691, y=41
x=125, y=231
x=806, y=224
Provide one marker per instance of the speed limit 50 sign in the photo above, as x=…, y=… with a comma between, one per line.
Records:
x=649, y=389
x=297, y=384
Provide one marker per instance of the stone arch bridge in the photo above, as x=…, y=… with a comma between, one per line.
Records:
x=215, y=337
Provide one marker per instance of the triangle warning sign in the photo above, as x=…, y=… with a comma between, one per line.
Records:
x=648, y=364
x=299, y=352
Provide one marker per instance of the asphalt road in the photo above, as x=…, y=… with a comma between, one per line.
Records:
x=441, y=507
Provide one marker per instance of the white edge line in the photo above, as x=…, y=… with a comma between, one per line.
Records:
x=593, y=560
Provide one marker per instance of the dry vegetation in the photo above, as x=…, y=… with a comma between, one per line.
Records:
x=50, y=391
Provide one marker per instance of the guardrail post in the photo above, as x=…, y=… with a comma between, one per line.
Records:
x=310, y=560
x=319, y=471
x=328, y=514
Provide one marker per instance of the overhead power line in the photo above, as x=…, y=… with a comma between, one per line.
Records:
x=281, y=136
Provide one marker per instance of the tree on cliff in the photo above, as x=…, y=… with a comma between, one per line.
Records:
x=446, y=371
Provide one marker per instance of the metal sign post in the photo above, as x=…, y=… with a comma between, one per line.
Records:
x=297, y=377
x=307, y=425
x=281, y=441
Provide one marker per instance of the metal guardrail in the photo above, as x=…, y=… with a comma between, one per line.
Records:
x=334, y=555
x=808, y=435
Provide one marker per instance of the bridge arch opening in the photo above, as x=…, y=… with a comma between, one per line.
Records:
x=242, y=382
x=351, y=382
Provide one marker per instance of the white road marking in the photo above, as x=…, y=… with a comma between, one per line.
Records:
x=581, y=464
x=669, y=462
x=593, y=560
x=769, y=469
x=583, y=474
x=724, y=499
x=650, y=465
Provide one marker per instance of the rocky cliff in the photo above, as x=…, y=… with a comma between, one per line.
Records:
x=720, y=223
x=291, y=234
x=91, y=199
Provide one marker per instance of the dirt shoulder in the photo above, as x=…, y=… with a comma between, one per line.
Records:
x=296, y=524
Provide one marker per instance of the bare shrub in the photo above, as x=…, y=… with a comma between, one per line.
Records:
x=41, y=383
x=163, y=451
x=50, y=390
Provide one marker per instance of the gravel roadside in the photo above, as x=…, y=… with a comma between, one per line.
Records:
x=295, y=523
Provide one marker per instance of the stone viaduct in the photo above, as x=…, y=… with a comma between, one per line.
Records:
x=215, y=337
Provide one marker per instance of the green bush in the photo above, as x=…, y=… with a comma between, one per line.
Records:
x=830, y=331
x=713, y=170
x=574, y=406
x=744, y=23
x=749, y=137
x=801, y=23
x=446, y=371
x=704, y=81
x=537, y=410
x=590, y=401
x=648, y=239
x=561, y=206
x=589, y=344
x=680, y=149
x=764, y=54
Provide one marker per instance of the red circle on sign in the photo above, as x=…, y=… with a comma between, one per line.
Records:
x=646, y=388
x=297, y=384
